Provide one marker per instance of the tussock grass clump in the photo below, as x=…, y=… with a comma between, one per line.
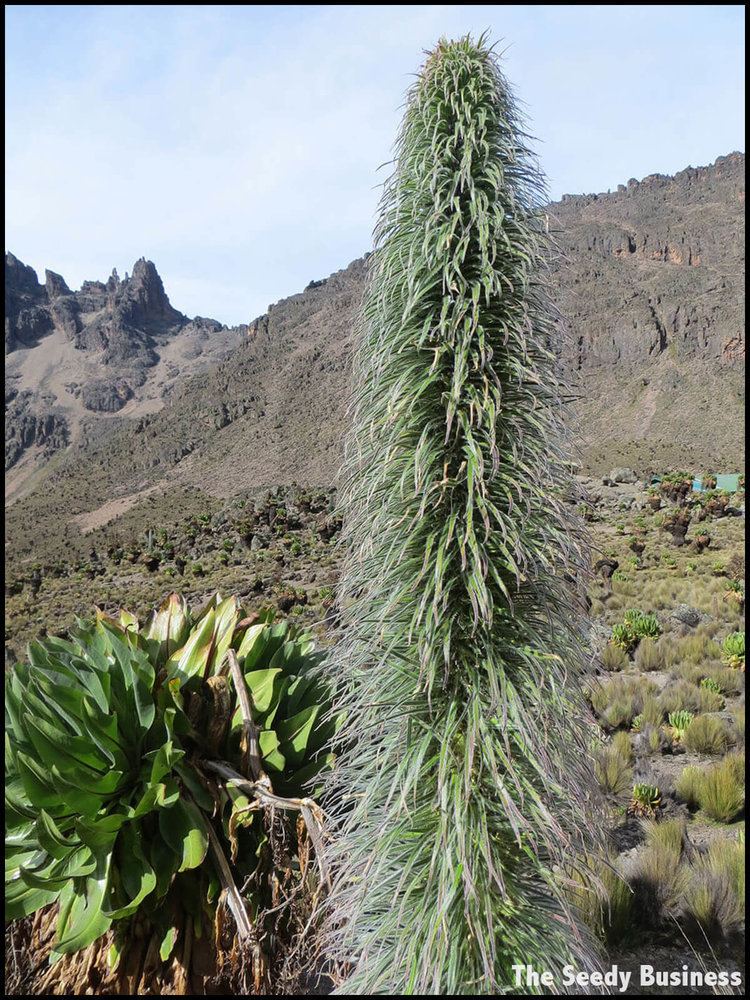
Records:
x=738, y=716
x=658, y=881
x=652, y=712
x=688, y=785
x=623, y=745
x=721, y=791
x=619, y=699
x=653, y=739
x=613, y=771
x=679, y=696
x=603, y=899
x=649, y=655
x=614, y=658
x=706, y=734
x=670, y=650
x=709, y=699
x=668, y=835
x=462, y=781
x=710, y=901
x=698, y=647
x=691, y=673
x=730, y=682
x=727, y=857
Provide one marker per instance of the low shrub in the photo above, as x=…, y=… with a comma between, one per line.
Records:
x=635, y=626
x=679, y=722
x=645, y=800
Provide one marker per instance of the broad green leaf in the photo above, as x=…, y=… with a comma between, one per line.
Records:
x=167, y=943
x=136, y=878
x=252, y=645
x=294, y=734
x=81, y=919
x=100, y=834
x=184, y=829
x=21, y=900
x=260, y=684
x=191, y=660
x=51, y=839
x=268, y=741
x=158, y=796
x=198, y=792
x=163, y=760
x=165, y=863
x=170, y=626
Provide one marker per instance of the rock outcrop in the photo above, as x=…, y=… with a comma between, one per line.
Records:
x=117, y=341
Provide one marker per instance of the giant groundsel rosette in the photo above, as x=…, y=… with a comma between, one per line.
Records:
x=130, y=784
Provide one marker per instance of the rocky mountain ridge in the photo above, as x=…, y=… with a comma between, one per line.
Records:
x=649, y=278
x=92, y=352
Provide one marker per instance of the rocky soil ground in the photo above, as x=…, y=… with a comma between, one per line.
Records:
x=672, y=555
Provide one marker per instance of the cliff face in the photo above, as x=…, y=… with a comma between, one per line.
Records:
x=656, y=267
x=652, y=287
x=112, y=346
x=650, y=280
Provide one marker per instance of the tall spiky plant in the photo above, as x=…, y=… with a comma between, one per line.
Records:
x=462, y=780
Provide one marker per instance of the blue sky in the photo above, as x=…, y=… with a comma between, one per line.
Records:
x=237, y=146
